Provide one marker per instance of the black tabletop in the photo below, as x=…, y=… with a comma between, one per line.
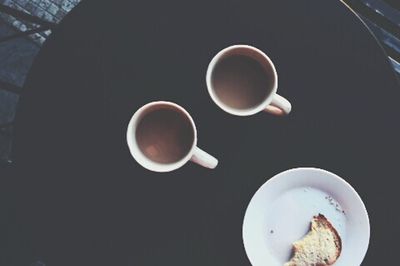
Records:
x=78, y=197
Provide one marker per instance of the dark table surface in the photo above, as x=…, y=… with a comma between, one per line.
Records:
x=78, y=198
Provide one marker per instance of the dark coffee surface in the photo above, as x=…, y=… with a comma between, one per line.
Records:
x=241, y=82
x=165, y=135
x=79, y=198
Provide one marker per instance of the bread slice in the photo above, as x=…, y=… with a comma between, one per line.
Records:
x=321, y=246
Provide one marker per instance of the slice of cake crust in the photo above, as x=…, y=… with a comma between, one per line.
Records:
x=320, y=247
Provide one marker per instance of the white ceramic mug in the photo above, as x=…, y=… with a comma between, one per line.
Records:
x=242, y=80
x=162, y=137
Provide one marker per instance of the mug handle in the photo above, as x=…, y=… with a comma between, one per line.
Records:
x=279, y=106
x=204, y=159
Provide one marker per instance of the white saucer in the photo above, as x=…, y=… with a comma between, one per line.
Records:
x=281, y=210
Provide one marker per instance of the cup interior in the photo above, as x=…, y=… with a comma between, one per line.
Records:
x=161, y=136
x=241, y=80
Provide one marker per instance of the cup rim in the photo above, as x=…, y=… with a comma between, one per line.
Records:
x=140, y=157
x=226, y=108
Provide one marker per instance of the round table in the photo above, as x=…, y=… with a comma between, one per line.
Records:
x=79, y=198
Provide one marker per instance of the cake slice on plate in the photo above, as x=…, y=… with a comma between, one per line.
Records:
x=321, y=246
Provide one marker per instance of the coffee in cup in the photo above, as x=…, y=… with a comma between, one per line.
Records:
x=162, y=137
x=242, y=80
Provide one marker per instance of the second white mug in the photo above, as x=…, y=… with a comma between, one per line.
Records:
x=162, y=137
x=242, y=80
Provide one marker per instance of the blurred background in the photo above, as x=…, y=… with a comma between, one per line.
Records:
x=24, y=26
